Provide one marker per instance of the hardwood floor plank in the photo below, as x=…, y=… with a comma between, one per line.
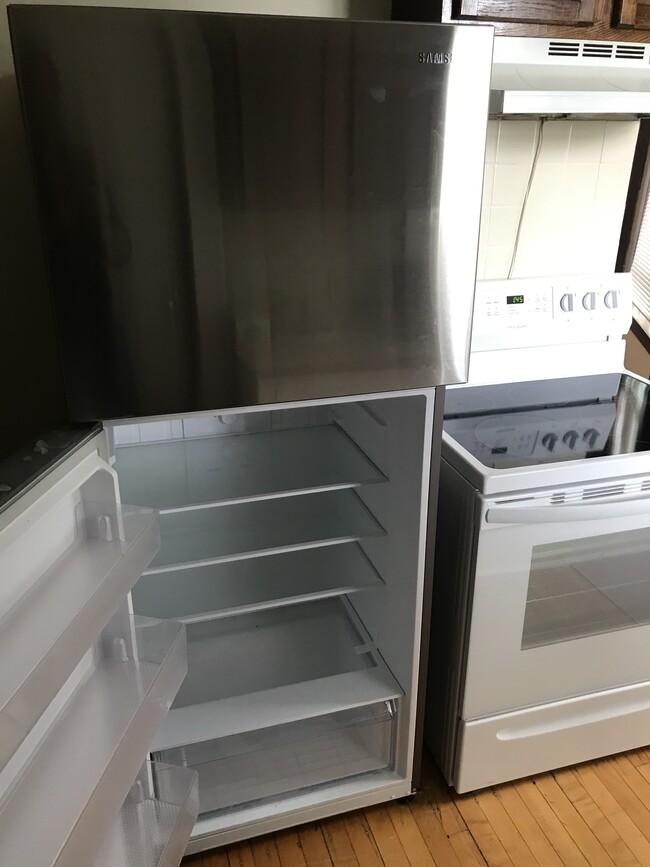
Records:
x=633, y=777
x=584, y=837
x=289, y=849
x=441, y=798
x=264, y=851
x=642, y=757
x=362, y=840
x=386, y=837
x=467, y=850
x=410, y=837
x=199, y=860
x=608, y=804
x=214, y=858
x=524, y=820
x=636, y=758
x=338, y=843
x=626, y=797
x=563, y=843
x=598, y=790
x=313, y=845
x=595, y=819
x=483, y=832
x=505, y=829
x=437, y=842
x=240, y=855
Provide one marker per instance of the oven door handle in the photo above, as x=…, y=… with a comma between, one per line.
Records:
x=561, y=514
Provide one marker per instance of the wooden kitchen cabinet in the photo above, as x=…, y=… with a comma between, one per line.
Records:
x=576, y=12
x=610, y=20
x=631, y=14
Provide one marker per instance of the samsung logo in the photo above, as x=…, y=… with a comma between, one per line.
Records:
x=434, y=57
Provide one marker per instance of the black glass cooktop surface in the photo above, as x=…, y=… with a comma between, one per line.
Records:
x=522, y=424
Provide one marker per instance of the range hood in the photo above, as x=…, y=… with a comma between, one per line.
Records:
x=569, y=76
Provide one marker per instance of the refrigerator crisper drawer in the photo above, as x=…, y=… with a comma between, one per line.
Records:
x=156, y=820
x=271, y=667
x=283, y=760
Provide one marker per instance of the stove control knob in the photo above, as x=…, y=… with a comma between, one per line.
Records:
x=611, y=299
x=549, y=440
x=590, y=436
x=589, y=301
x=570, y=438
x=566, y=303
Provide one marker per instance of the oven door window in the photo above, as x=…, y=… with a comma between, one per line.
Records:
x=586, y=587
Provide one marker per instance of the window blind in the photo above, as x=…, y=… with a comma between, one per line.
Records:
x=641, y=274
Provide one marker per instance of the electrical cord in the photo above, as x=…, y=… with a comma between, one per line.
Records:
x=531, y=177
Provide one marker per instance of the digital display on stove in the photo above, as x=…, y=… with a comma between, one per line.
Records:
x=515, y=299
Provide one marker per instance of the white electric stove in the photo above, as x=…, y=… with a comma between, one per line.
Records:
x=541, y=617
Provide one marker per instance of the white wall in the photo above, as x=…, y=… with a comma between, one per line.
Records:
x=571, y=222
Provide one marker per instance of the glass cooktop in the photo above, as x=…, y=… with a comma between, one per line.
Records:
x=529, y=423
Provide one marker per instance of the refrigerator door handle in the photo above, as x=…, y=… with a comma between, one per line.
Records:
x=603, y=510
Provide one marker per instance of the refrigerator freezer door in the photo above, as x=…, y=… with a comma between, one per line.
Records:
x=242, y=210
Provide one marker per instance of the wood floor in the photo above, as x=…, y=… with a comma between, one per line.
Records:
x=590, y=815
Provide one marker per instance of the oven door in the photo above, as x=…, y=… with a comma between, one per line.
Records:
x=561, y=603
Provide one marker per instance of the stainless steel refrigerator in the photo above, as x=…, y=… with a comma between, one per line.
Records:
x=261, y=238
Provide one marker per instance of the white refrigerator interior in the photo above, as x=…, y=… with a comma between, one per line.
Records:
x=85, y=683
x=292, y=548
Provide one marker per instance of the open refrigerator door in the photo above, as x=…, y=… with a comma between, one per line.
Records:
x=84, y=682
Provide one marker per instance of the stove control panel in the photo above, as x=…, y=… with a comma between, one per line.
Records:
x=540, y=311
x=504, y=440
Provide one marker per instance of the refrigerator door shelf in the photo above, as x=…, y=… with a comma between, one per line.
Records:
x=253, y=529
x=274, y=667
x=281, y=761
x=156, y=820
x=83, y=769
x=241, y=586
x=45, y=634
x=210, y=471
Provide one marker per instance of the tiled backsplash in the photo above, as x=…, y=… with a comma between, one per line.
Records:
x=572, y=219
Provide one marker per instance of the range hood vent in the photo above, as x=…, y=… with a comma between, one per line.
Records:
x=631, y=52
x=597, y=49
x=570, y=76
x=563, y=49
x=620, y=51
